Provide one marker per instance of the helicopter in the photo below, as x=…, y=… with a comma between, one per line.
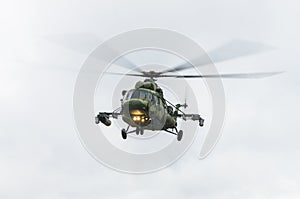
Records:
x=144, y=107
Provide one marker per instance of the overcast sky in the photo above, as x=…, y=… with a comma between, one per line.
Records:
x=40, y=153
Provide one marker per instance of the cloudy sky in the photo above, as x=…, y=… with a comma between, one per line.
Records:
x=40, y=153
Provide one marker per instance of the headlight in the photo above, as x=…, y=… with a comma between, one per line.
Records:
x=139, y=116
x=136, y=118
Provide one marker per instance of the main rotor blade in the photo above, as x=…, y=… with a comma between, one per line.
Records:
x=230, y=75
x=126, y=74
x=233, y=76
x=230, y=50
x=84, y=43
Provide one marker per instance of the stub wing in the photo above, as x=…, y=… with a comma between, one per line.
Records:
x=103, y=117
x=194, y=117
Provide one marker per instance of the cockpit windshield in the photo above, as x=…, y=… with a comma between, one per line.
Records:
x=141, y=94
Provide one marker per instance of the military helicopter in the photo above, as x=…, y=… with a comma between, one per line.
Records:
x=144, y=107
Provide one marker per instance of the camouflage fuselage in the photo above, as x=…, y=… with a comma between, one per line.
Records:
x=145, y=107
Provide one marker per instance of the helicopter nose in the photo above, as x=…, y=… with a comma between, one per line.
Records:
x=138, y=112
x=137, y=105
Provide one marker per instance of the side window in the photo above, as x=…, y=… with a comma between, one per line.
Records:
x=143, y=95
x=154, y=99
x=149, y=97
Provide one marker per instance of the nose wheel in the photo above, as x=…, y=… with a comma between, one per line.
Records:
x=179, y=135
x=138, y=131
x=141, y=131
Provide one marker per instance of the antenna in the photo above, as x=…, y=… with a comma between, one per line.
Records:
x=185, y=96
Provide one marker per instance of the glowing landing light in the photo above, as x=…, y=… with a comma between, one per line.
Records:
x=136, y=118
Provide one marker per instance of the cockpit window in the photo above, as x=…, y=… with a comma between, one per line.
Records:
x=136, y=94
x=141, y=94
x=129, y=94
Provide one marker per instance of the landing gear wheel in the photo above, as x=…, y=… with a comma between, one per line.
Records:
x=137, y=130
x=201, y=122
x=142, y=131
x=179, y=135
x=124, y=134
